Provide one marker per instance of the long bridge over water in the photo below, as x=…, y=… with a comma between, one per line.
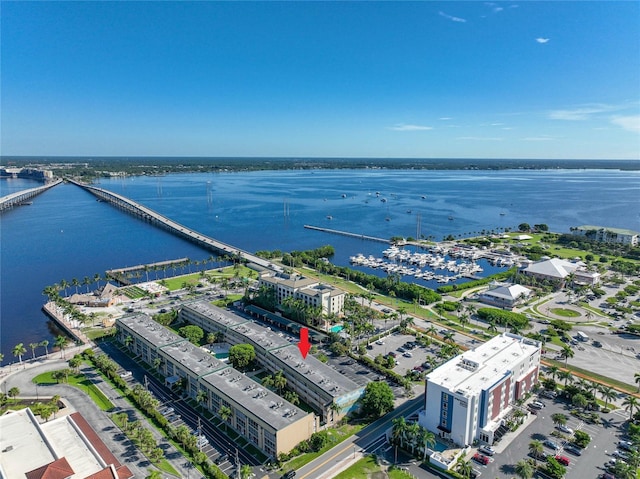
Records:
x=21, y=197
x=174, y=227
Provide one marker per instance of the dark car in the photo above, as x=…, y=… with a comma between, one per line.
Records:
x=289, y=475
x=221, y=458
x=576, y=451
x=550, y=444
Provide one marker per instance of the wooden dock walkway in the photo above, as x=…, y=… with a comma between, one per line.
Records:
x=347, y=233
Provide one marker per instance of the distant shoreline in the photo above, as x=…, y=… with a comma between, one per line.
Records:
x=148, y=165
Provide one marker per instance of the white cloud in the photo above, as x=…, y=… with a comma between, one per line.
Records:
x=631, y=123
x=403, y=127
x=445, y=118
x=537, y=138
x=542, y=40
x=451, y=17
x=479, y=138
x=582, y=113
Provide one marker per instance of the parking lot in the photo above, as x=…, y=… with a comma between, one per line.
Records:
x=407, y=358
x=590, y=464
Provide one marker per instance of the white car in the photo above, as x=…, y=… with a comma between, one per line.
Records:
x=380, y=342
x=536, y=405
x=565, y=429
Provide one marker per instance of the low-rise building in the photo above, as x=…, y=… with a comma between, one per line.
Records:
x=328, y=392
x=554, y=269
x=66, y=447
x=262, y=417
x=607, y=235
x=504, y=295
x=468, y=397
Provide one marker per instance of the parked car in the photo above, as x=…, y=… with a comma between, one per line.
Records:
x=564, y=460
x=626, y=445
x=289, y=475
x=408, y=355
x=221, y=458
x=597, y=344
x=536, y=405
x=565, y=429
x=202, y=441
x=380, y=342
x=606, y=475
x=549, y=394
x=576, y=451
x=620, y=454
x=487, y=450
x=550, y=444
x=392, y=354
x=482, y=459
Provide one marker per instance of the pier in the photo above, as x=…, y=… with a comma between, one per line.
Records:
x=347, y=233
x=21, y=197
x=120, y=274
x=147, y=214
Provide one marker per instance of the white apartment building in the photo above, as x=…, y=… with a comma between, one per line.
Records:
x=311, y=291
x=468, y=397
x=607, y=235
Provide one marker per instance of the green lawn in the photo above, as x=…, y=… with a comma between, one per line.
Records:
x=361, y=469
x=336, y=436
x=567, y=313
x=82, y=383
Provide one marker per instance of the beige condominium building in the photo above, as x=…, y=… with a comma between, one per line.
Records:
x=262, y=417
x=310, y=291
x=323, y=388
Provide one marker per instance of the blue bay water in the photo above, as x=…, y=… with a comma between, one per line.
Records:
x=67, y=234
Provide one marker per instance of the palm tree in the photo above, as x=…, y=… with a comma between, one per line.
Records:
x=464, y=468
x=61, y=342
x=524, y=470
x=536, y=448
x=399, y=430
x=636, y=378
x=431, y=330
x=493, y=328
x=559, y=419
x=201, y=397
x=86, y=281
x=245, y=471
x=225, y=413
x=608, y=393
x=76, y=283
x=428, y=440
x=45, y=344
x=279, y=381
x=33, y=347
x=19, y=350
x=448, y=336
x=630, y=404
x=566, y=376
x=567, y=352
x=553, y=372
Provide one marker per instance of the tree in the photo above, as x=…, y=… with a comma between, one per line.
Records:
x=464, y=468
x=75, y=362
x=524, y=470
x=636, y=377
x=201, y=397
x=427, y=439
x=536, y=448
x=579, y=400
x=242, y=355
x=225, y=413
x=559, y=419
x=14, y=392
x=553, y=371
x=377, y=399
x=33, y=347
x=524, y=227
x=608, y=394
x=61, y=342
x=567, y=352
x=566, y=376
x=630, y=404
x=399, y=430
x=45, y=344
x=19, y=350
x=245, y=471
x=193, y=333
x=154, y=474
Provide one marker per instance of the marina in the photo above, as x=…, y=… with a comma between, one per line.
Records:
x=454, y=262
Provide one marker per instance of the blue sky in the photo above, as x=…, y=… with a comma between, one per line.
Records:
x=328, y=79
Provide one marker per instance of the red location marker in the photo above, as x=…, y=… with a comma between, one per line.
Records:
x=304, y=345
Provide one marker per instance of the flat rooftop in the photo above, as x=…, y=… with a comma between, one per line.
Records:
x=27, y=445
x=255, y=398
x=193, y=358
x=315, y=371
x=606, y=228
x=238, y=387
x=325, y=377
x=146, y=327
x=480, y=368
x=219, y=315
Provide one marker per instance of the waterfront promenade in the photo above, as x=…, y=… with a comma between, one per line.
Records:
x=174, y=227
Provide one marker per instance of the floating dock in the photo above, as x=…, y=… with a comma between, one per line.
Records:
x=347, y=233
